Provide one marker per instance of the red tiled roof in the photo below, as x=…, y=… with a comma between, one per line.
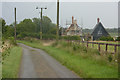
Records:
x=72, y=25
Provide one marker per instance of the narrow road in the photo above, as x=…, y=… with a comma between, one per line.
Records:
x=38, y=64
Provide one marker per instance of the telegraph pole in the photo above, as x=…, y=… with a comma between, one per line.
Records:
x=41, y=25
x=15, y=25
x=41, y=20
x=57, y=36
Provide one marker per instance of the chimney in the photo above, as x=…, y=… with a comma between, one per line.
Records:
x=72, y=19
x=98, y=20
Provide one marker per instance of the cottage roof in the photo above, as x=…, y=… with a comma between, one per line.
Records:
x=99, y=27
x=72, y=26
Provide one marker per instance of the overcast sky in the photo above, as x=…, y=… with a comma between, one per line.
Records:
x=84, y=12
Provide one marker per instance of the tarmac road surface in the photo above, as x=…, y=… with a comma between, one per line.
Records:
x=36, y=63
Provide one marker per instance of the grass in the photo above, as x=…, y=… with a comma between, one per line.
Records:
x=0, y=67
x=11, y=63
x=87, y=64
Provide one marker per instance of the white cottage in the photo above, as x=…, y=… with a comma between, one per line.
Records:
x=74, y=29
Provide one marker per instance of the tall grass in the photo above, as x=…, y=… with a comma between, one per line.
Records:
x=11, y=63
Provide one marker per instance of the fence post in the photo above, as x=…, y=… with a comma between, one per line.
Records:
x=115, y=48
x=92, y=45
x=99, y=46
x=106, y=47
x=87, y=44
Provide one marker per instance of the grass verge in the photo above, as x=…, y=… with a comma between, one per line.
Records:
x=11, y=64
x=84, y=66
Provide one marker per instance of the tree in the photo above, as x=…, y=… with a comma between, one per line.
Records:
x=46, y=19
x=2, y=23
x=9, y=32
x=30, y=28
x=47, y=26
x=26, y=27
x=37, y=23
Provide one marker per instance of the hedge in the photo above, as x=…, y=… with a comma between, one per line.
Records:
x=70, y=37
x=108, y=38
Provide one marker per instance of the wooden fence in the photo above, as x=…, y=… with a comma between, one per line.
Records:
x=115, y=46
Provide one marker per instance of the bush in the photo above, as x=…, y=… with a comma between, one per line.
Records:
x=70, y=37
x=23, y=35
x=12, y=40
x=85, y=49
x=108, y=38
x=5, y=54
x=109, y=58
x=118, y=39
x=55, y=44
x=49, y=36
x=74, y=48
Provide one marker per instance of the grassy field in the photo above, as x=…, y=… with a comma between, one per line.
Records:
x=86, y=63
x=11, y=63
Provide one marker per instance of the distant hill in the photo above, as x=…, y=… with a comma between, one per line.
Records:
x=112, y=31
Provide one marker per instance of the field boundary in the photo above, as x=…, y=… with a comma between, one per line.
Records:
x=88, y=43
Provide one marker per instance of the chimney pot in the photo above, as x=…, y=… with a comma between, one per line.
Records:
x=98, y=20
x=72, y=19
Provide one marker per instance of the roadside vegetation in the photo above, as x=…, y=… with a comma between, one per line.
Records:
x=11, y=62
x=11, y=53
x=86, y=62
x=11, y=58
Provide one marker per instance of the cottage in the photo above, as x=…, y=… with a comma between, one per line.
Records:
x=99, y=31
x=74, y=29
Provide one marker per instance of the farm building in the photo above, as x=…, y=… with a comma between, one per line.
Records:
x=74, y=29
x=99, y=31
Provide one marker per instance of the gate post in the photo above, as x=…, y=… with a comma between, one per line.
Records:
x=87, y=44
x=106, y=47
x=99, y=46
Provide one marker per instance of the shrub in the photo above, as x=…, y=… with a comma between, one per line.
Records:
x=70, y=37
x=108, y=38
x=26, y=34
x=109, y=58
x=49, y=36
x=85, y=49
x=74, y=48
x=12, y=40
x=5, y=53
x=98, y=52
x=55, y=44
x=118, y=39
x=3, y=42
x=65, y=44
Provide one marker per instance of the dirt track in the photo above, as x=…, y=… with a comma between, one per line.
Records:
x=38, y=64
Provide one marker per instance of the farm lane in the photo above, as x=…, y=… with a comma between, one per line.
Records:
x=38, y=64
